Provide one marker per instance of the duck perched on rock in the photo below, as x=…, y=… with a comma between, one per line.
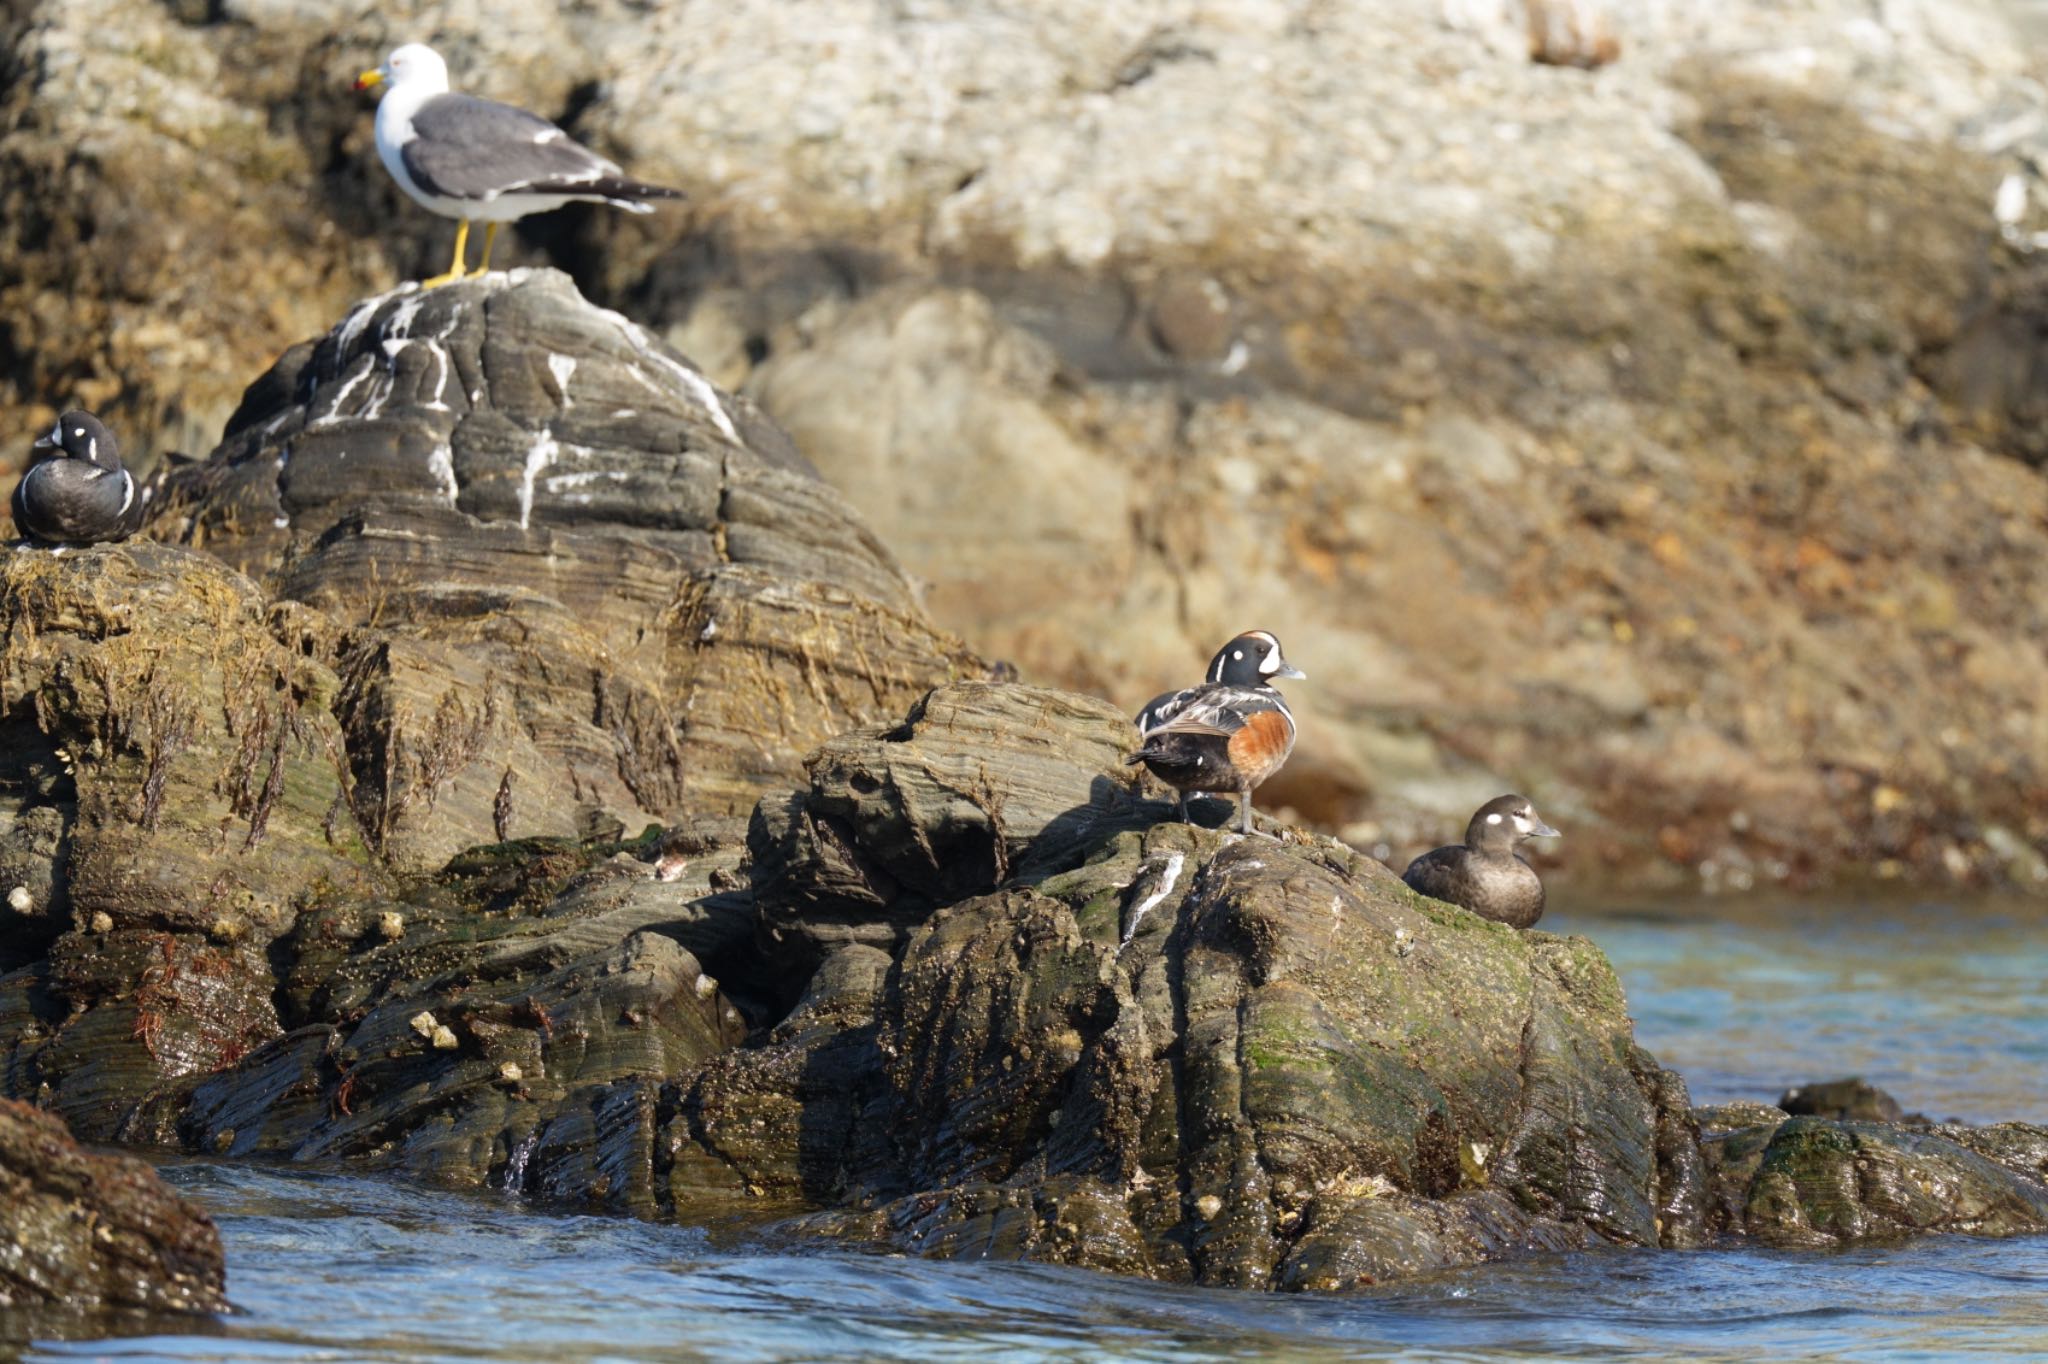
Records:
x=76, y=491
x=1229, y=733
x=1484, y=873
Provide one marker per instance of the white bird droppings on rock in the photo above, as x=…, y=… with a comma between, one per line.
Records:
x=562, y=367
x=541, y=455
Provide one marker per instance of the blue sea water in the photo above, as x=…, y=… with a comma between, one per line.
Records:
x=1939, y=1003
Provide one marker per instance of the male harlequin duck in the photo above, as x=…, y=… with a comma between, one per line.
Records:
x=75, y=491
x=1228, y=734
x=1484, y=873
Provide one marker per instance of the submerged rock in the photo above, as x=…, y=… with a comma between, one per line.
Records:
x=90, y=1231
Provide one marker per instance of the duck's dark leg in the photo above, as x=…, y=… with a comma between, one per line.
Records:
x=1244, y=811
x=1185, y=817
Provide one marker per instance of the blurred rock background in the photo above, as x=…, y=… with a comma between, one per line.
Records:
x=1635, y=405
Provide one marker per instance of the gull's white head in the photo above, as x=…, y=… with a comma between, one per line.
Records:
x=414, y=66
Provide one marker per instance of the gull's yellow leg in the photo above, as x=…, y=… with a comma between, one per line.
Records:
x=455, y=270
x=490, y=235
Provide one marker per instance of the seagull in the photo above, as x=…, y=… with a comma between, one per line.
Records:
x=477, y=160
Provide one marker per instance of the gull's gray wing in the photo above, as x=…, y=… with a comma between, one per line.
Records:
x=469, y=148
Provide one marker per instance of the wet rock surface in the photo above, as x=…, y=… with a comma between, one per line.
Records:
x=85, y=1231
x=1825, y=1183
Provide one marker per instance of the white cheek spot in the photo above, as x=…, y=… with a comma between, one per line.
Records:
x=77, y=430
x=1237, y=653
x=1493, y=819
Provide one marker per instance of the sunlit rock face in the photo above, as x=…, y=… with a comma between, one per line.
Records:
x=574, y=581
x=1630, y=404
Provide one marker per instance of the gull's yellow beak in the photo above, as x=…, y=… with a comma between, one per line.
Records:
x=370, y=79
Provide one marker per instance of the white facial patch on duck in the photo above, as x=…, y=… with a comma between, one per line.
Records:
x=1272, y=663
x=1493, y=819
x=1522, y=824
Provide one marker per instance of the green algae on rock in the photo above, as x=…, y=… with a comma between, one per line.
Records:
x=1823, y=1183
x=156, y=718
x=338, y=860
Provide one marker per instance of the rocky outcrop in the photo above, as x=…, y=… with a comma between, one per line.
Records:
x=967, y=992
x=523, y=572
x=979, y=784
x=572, y=584
x=88, y=1231
x=1236, y=1061
x=1822, y=1183
x=1135, y=1045
x=435, y=1035
x=1853, y=1098
x=1646, y=450
x=173, y=787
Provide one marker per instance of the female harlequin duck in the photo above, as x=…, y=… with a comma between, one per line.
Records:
x=1484, y=873
x=1228, y=734
x=75, y=491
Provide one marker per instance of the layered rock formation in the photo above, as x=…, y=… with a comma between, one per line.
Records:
x=1655, y=437
x=175, y=784
x=89, y=1231
x=528, y=575
x=572, y=581
x=321, y=830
